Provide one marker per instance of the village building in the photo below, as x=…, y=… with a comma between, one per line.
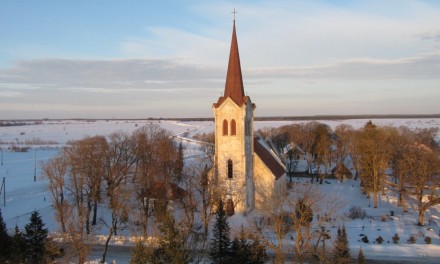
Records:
x=247, y=170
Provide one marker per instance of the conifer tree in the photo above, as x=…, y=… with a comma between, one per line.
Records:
x=5, y=240
x=18, y=247
x=172, y=248
x=241, y=250
x=35, y=236
x=341, y=250
x=220, y=246
x=258, y=251
x=179, y=164
x=361, y=257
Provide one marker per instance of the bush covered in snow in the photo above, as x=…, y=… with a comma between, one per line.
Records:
x=356, y=212
x=396, y=239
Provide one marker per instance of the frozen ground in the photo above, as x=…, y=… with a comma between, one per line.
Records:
x=23, y=195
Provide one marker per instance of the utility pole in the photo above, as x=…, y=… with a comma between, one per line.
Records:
x=35, y=165
x=3, y=189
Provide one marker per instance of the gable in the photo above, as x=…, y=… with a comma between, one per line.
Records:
x=269, y=159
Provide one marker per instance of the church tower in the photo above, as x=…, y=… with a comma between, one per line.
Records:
x=234, y=143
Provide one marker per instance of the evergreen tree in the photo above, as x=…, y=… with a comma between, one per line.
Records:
x=139, y=254
x=241, y=250
x=341, y=250
x=258, y=251
x=18, y=247
x=172, y=248
x=5, y=240
x=35, y=236
x=178, y=164
x=361, y=257
x=220, y=246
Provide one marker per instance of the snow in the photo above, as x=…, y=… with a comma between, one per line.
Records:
x=23, y=195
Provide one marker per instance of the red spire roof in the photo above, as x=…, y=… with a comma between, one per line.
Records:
x=234, y=81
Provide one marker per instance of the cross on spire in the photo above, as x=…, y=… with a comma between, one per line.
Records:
x=234, y=12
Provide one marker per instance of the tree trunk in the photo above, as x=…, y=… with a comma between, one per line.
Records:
x=420, y=221
x=95, y=212
x=89, y=209
x=106, y=246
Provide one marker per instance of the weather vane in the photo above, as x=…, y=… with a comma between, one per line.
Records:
x=234, y=12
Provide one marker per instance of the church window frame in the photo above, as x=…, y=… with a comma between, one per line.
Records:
x=230, y=167
x=225, y=127
x=233, y=127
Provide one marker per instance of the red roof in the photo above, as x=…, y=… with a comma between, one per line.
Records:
x=268, y=159
x=234, y=80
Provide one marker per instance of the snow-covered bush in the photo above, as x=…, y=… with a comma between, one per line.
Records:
x=428, y=240
x=356, y=212
x=396, y=239
x=379, y=239
x=412, y=239
x=365, y=239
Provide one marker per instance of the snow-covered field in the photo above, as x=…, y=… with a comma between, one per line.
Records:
x=23, y=195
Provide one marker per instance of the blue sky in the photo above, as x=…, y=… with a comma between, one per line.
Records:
x=138, y=59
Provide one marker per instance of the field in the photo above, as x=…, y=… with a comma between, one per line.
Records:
x=40, y=141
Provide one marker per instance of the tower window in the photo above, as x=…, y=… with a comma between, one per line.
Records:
x=233, y=130
x=230, y=174
x=225, y=127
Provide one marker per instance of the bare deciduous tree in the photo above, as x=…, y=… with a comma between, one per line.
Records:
x=375, y=152
x=55, y=170
x=420, y=167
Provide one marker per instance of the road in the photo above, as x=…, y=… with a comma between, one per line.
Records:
x=121, y=254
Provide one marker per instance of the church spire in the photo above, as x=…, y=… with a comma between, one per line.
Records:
x=234, y=81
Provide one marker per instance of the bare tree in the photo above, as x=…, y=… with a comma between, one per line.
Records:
x=313, y=214
x=344, y=137
x=374, y=157
x=420, y=167
x=322, y=148
x=117, y=165
x=304, y=214
x=154, y=158
x=275, y=226
x=399, y=141
x=55, y=170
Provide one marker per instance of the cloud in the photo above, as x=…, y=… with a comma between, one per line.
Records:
x=425, y=66
x=8, y=94
x=129, y=75
x=92, y=75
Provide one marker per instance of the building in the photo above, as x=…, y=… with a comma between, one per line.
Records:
x=246, y=169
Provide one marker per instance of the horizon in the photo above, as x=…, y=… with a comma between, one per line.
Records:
x=135, y=60
x=258, y=118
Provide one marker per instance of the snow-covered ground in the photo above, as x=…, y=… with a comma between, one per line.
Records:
x=23, y=195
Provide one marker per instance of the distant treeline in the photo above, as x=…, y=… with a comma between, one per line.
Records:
x=262, y=118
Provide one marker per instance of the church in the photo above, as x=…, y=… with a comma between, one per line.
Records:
x=247, y=171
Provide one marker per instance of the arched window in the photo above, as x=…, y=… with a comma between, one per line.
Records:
x=225, y=127
x=230, y=169
x=233, y=130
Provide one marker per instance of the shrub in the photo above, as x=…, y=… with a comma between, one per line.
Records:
x=356, y=212
x=428, y=240
x=412, y=239
x=396, y=239
x=365, y=239
x=379, y=239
